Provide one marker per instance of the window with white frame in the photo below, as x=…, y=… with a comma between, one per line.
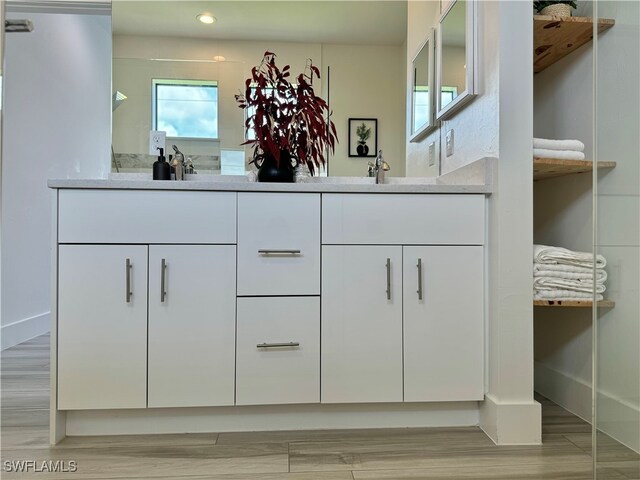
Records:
x=186, y=108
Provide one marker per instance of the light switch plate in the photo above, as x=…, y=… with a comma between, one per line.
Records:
x=157, y=140
x=432, y=154
x=449, y=143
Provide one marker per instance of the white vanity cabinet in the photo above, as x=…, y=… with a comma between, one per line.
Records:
x=219, y=298
x=150, y=320
x=192, y=313
x=402, y=298
x=102, y=327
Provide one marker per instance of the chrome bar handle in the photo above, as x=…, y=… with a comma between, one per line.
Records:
x=163, y=270
x=278, y=345
x=265, y=253
x=128, y=267
x=419, y=291
x=388, y=279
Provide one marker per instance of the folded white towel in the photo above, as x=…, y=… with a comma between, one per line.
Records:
x=553, y=283
x=565, y=295
x=558, y=154
x=558, y=255
x=569, y=272
x=549, y=144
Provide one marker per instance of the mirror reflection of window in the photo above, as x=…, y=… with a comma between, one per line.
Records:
x=421, y=89
x=453, y=62
x=186, y=108
x=447, y=94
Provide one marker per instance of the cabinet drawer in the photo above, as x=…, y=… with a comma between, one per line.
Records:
x=278, y=244
x=278, y=350
x=396, y=219
x=146, y=216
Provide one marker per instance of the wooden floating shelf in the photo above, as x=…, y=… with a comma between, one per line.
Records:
x=556, y=37
x=573, y=303
x=552, y=167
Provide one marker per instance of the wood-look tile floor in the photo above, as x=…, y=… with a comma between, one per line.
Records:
x=389, y=454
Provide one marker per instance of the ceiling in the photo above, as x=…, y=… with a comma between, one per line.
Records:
x=359, y=22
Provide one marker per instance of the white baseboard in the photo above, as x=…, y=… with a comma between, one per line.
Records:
x=23, y=330
x=511, y=423
x=268, y=418
x=571, y=393
x=617, y=418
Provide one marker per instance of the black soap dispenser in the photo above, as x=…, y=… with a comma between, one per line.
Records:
x=161, y=169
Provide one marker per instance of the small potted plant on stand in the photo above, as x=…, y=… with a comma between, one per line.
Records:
x=290, y=124
x=555, y=8
x=363, y=133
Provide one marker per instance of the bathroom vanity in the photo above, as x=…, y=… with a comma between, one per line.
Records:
x=210, y=306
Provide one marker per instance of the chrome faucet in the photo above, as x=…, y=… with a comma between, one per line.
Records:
x=178, y=163
x=378, y=168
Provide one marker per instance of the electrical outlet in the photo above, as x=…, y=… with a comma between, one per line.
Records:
x=432, y=154
x=157, y=140
x=449, y=143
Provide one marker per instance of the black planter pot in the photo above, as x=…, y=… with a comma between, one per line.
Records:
x=270, y=171
x=362, y=149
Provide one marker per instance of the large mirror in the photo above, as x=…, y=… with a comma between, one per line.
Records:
x=456, y=57
x=422, y=108
x=174, y=73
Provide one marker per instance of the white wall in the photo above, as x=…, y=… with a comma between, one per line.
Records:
x=476, y=130
x=57, y=113
x=353, y=93
x=563, y=211
x=476, y=126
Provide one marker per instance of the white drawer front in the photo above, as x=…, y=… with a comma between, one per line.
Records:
x=270, y=374
x=394, y=219
x=146, y=216
x=278, y=244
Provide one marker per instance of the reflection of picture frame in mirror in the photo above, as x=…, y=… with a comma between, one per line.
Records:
x=423, y=90
x=456, y=46
x=363, y=137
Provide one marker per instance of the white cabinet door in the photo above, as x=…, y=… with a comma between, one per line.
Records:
x=443, y=331
x=361, y=324
x=278, y=244
x=278, y=350
x=102, y=326
x=191, y=325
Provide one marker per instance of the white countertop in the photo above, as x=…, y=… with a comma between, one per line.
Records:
x=473, y=178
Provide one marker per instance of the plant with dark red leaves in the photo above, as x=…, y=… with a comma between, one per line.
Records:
x=287, y=117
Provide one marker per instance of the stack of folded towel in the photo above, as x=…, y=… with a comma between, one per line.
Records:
x=561, y=274
x=559, y=149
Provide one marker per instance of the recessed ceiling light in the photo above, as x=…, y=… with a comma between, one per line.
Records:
x=219, y=58
x=206, y=18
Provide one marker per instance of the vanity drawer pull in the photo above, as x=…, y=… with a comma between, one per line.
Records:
x=278, y=345
x=419, y=291
x=265, y=253
x=128, y=268
x=163, y=272
x=388, y=279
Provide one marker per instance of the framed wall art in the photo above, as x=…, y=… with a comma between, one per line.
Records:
x=363, y=137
